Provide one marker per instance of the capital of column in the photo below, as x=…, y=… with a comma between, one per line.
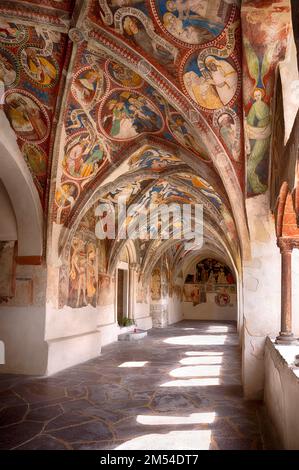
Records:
x=286, y=244
x=134, y=267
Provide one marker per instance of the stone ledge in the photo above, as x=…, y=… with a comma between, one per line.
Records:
x=284, y=354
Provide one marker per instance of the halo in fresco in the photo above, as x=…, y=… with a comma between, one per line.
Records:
x=41, y=68
x=183, y=132
x=27, y=116
x=126, y=115
x=9, y=69
x=89, y=85
x=83, y=156
x=36, y=158
x=211, y=82
x=11, y=33
x=194, y=21
x=124, y=76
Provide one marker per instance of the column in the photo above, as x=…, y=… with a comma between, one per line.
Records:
x=133, y=269
x=285, y=335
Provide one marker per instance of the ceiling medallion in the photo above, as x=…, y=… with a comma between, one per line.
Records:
x=77, y=36
x=144, y=67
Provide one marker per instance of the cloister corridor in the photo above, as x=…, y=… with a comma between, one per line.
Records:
x=178, y=388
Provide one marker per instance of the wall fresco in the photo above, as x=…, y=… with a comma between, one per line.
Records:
x=265, y=27
x=209, y=275
x=31, y=63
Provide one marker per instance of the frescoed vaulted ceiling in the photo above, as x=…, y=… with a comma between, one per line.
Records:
x=143, y=99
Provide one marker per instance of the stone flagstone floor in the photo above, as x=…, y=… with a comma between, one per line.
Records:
x=179, y=388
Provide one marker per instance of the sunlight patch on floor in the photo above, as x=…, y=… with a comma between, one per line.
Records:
x=133, y=364
x=197, y=340
x=203, y=353
x=196, y=371
x=199, y=382
x=188, y=361
x=183, y=440
x=194, y=418
x=217, y=329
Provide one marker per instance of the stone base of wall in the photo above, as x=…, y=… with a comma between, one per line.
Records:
x=282, y=392
x=159, y=314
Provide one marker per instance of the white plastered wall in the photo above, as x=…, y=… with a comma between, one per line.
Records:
x=261, y=295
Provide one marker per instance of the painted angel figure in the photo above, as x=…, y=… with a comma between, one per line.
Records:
x=258, y=121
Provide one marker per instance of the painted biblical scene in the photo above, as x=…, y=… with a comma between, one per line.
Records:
x=141, y=294
x=31, y=64
x=211, y=271
x=139, y=31
x=153, y=158
x=194, y=293
x=203, y=186
x=126, y=191
x=133, y=20
x=184, y=134
x=65, y=197
x=36, y=158
x=40, y=66
x=126, y=115
x=106, y=290
x=83, y=273
x=164, y=192
x=27, y=116
x=9, y=69
x=194, y=21
x=156, y=284
x=210, y=81
x=83, y=156
x=102, y=255
x=89, y=86
x=209, y=275
x=124, y=76
x=11, y=33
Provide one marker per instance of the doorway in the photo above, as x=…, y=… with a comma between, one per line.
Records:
x=122, y=295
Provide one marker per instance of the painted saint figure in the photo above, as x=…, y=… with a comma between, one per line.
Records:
x=25, y=117
x=91, y=275
x=135, y=31
x=39, y=67
x=211, y=83
x=257, y=134
x=88, y=84
x=78, y=272
x=7, y=72
x=123, y=75
x=65, y=197
x=223, y=77
x=82, y=158
x=228, y=132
